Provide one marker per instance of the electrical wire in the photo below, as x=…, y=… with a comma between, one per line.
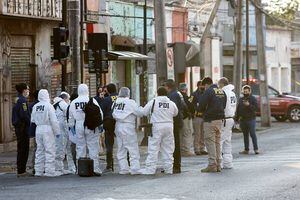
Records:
x=293, y=25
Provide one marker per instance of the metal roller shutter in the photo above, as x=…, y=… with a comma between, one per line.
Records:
x=20, y=60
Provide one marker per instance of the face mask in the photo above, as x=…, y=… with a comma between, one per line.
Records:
x=246, y=95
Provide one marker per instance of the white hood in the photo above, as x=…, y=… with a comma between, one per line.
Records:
x=56, y=100
x=65, y=94
x=163, y=98
x=43, y=96
x=229, y=87
x=83, y=90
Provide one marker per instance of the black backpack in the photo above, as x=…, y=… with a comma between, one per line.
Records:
x=93, y=118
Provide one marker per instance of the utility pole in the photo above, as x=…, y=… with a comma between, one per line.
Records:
x=160, y=41
x=207, y=31
x=238, y=48
x=143, y=76
x=82, y=11
x=64, y=63
x=262, y=69
x=247, y=42
x=74, y=30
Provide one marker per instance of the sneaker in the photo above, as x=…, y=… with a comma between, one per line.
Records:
x=201, y=153
x=97, y=174
x=256, y=152
x=55, y=174
x=245, y=152
x=187, y=154
x=25, y=174
x=136, y=172
x=227, y=166
x=219, y=168
x=124, y=172
x=146, y=172
x=209, y=169
x=65, y=172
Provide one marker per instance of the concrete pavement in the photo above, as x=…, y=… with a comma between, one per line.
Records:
x=274, y=174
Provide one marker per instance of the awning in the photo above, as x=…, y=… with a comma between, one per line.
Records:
x=126, y=55
x=124, y=41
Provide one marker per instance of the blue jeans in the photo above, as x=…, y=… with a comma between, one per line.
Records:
x=248, y=127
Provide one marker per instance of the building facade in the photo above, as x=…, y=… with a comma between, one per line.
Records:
x=25, y=51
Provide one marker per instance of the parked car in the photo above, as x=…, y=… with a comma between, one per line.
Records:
x=283, y=106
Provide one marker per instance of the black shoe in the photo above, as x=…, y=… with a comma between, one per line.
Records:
x=176, y=170
x=97, y=174
x=25, y=174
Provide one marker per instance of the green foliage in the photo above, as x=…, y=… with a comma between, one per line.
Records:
x=285, y=9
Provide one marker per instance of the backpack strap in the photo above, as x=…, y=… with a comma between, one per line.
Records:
x=57, y=105
x=91, y=100
x=152, y=109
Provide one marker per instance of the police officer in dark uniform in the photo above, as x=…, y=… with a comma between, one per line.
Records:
x=21, y=122
x=109, y=123
x=212, y=105
x=174, y=96
x=195, y=99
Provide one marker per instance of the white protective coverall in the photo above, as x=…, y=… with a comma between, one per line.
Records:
x=125, y=113
x=63, y=144
x=43, y=115
x=85, y=138
x=226, y=130
x=162, y=139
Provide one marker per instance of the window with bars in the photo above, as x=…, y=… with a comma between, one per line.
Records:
x=35, y=8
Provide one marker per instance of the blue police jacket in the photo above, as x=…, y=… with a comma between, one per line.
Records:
x=174, y=96
x=195, y=100
x=106, y=105
x=21, y=113
x=213, y=104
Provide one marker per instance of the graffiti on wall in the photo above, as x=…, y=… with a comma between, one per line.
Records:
x=5, y=41
x=45, y=72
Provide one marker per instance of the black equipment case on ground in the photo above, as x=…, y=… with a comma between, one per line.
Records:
x=85, y=167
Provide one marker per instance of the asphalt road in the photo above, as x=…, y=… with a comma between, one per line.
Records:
x=274, y=174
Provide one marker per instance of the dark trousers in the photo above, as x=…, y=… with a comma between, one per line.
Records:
x=22, y=149
x=73, y=151
x=109, y=126
x=248, y=127
x=177, y=152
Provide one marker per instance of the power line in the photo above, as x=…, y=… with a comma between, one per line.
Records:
x=293, y=25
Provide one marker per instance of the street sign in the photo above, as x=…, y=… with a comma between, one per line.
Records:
x=170, y=63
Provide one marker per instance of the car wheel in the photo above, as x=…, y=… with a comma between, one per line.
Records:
x=294, y=114
x=281, y=118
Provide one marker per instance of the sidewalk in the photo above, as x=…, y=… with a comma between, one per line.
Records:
x=8, y=159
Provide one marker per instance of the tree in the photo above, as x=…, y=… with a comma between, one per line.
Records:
x=285, y=9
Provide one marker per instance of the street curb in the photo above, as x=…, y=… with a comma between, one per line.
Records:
x=8, y=147
x=12, y=146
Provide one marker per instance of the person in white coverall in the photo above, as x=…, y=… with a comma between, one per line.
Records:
x=43, y=115
x=161, y=110
x=63, y=144
x=226, y=130
x=85, y=138
x=125, y=111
